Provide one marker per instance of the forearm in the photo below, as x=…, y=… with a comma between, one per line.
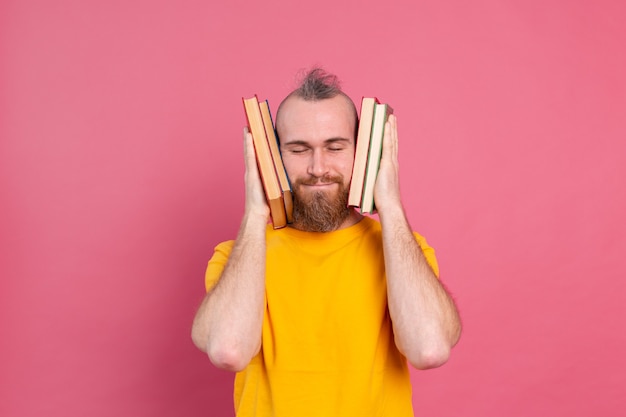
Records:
x=229, y=321
x=425, y=320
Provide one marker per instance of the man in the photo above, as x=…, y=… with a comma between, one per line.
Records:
x=320, y=318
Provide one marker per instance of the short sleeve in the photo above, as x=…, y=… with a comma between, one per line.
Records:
x=429, y=253
x=217, y=263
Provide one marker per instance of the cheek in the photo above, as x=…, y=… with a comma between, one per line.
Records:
x=292, y=167
x=345, y=166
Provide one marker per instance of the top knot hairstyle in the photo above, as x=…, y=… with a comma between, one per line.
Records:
x=317, y=84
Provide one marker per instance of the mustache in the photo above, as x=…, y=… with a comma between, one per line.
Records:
x=326, y=179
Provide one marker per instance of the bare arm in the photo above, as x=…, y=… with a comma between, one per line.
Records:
x=425, y=320
x=228, y=323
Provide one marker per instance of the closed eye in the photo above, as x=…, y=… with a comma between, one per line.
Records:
x=298, y=150
x=336, y=144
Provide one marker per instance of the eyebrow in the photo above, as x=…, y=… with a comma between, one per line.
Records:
x=326, y=142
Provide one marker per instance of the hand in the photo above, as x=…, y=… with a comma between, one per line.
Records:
x=387, y=188
x=255, y=196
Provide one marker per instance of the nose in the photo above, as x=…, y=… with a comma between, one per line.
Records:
x=317, y=165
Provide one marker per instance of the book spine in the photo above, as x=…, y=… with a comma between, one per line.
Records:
x=265, y=163
x=277, y=159
x=381, y=114
x=362, y=148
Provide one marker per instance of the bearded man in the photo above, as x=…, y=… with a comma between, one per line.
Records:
x=322, y=318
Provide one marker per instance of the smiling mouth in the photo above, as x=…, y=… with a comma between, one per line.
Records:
x=320, y=184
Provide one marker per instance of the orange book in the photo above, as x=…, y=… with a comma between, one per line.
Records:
x=265, y=162
x=283, y=180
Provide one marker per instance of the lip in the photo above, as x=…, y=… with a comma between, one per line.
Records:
x=321, y=185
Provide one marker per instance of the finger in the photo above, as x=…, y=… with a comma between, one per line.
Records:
x=255, y=196
x=390, y=139
x=393, y=122
x=387, y=150
x=247, y=143
x=248, y=151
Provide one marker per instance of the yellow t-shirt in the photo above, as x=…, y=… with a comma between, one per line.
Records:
x=327, y=340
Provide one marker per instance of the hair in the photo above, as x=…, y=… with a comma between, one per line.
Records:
x=317, y=84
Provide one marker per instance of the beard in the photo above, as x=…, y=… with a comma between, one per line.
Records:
x=319, y=211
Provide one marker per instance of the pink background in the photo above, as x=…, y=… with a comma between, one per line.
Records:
x=512, y=120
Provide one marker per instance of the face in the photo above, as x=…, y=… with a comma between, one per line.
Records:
x=317, y=146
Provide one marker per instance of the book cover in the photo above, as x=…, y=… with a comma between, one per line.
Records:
x=265, y=163
x=362, y=149
x=381, y=114
x=283, y=180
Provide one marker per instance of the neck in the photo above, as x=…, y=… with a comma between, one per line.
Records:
x=351, y=220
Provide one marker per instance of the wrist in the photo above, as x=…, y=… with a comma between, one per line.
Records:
x=390, y=207
x=391, y=212
x=255, y=218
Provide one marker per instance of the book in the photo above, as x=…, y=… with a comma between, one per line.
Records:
x=362, y=149
x=381, y=114
x=283, y=180
x=265, y=162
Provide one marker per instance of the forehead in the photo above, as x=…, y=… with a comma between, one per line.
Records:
x=303, y=120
